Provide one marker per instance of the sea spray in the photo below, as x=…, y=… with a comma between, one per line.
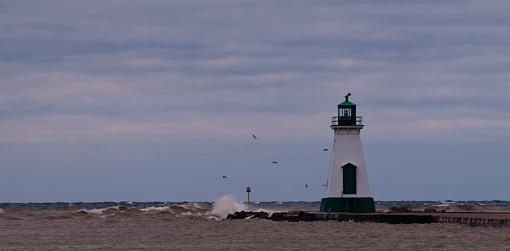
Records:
x=227, y=205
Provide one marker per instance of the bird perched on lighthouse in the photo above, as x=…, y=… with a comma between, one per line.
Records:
x=347, y=185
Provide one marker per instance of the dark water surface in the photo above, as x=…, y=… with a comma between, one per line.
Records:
x=200, y=226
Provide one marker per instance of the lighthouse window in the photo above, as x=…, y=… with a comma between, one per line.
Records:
x=345, y=112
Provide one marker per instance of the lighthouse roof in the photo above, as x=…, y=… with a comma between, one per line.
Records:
x=347, y=103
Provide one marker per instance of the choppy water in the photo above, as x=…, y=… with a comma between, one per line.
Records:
x=381, y=206
x=199, y=226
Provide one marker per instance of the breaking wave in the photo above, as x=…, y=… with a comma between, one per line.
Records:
x=227, y=205
x=112, y=209
x=185, y=208
x=176, y=209
x=217, y=210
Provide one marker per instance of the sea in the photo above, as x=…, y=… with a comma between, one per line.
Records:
x=131, y=225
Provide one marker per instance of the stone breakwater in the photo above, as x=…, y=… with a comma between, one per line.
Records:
x=293, y=216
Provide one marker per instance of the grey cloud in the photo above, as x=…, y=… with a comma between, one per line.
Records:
x=123, y=73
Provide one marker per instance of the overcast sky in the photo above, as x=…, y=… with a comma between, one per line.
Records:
x=157, y=100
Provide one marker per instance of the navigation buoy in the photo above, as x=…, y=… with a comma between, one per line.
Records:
x=347, y=185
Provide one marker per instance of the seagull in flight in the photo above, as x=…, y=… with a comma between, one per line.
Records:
x=224, y=177
x=325, y=149
x=275, y=162
x=254, y=137
x=306, y=185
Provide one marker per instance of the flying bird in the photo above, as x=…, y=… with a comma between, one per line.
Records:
x=224, y=177
x=275, y=162
x=323, y=185
x=325, y=149
x=254, y=137
x=306, y=185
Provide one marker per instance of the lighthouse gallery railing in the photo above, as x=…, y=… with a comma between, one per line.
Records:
x=337, y=120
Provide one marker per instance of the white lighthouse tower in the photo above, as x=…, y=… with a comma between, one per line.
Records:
x=347, y=186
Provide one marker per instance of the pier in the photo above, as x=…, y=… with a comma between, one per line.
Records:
x=472, y=218
x=481, y=219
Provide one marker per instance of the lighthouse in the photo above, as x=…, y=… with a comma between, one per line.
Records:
x=347, y=185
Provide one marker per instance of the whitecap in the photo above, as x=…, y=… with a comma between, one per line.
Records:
x=98, y=211
x=213, y=217
x=91, y=211
x=156, y=209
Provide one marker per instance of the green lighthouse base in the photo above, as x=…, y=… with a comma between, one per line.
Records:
x=351, y=205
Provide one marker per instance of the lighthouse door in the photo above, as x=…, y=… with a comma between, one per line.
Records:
x=349, y=178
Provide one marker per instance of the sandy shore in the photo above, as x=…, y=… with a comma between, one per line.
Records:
x=68, y=230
